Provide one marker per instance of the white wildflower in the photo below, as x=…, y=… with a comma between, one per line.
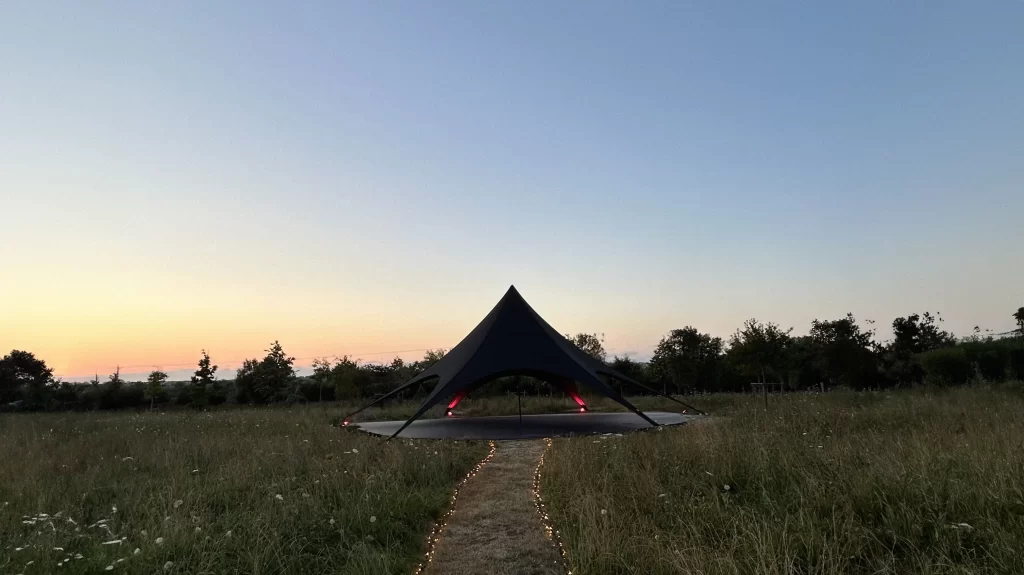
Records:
x=305, y=494
x=279, y=497
x=168, y=565
x=228, y=534
x=354, y=450
x=143, y=533
x=195, y=471
x=159, y=541
x=78, y=555
x=137, y=551
x=727, y=487
x=198, y=529
x=373, y=518
x=112, y=542
x=331, y=521
x=604, y=512
x=178, y=503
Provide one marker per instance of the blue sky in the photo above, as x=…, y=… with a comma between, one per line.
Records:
x=350, y=177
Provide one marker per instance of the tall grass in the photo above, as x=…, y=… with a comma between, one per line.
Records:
x=912, y=482
x=253, y=491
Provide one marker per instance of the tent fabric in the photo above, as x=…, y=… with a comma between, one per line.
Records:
x=513, y=339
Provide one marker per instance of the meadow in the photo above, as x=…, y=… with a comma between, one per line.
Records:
x=244, y=490
x=869, y=482
x=922, y=482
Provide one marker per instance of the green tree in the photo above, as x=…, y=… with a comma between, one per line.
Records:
x=1019, y=317
x=23, y=376
x=842, y=352
x=110, y=396
x=760, y=349
x=203, y=382
x=348, y=379
x=155, y=386
x=687, y=358
x=629, y=368
x=913, y=335
x=268, y=380
x=321, y=375
x=433, y=356
x=591, y=343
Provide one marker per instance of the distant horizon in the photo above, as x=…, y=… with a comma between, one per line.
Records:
x=226, y=368
x=353, y=178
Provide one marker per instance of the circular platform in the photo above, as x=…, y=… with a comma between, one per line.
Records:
x=531, y=426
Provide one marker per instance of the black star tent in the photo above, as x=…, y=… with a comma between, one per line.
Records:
x=514, y=340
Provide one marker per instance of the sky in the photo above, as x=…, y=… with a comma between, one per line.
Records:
x=368, y=178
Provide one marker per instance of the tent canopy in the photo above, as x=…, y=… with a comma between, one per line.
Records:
x=514, y=340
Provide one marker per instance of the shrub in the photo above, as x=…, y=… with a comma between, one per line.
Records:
x=945, y=366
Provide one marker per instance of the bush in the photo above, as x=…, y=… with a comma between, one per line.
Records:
x=946, y=366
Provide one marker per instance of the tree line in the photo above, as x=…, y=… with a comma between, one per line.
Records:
x=834, y=353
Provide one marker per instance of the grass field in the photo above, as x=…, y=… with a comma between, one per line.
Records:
x=902, y=482
x=909, y=482
x=248, y=491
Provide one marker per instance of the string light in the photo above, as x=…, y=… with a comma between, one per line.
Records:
x=549, y=529
x=435, y=533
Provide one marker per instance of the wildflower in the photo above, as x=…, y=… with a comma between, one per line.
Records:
x=228, y=534
x=178, y=503
x=373, y=518
x=198, y=529
x=168, y=565
x=109, y=567
x=143, y=532
x=195, y=471
x=137, y=551
x=305, y=494
x=662, y=494
x=604, y=512
x=727, y=487
x=78, y=555
x=354, y=450
x=279, y=497
x=159, y=541
x=331, y=521
x=112, y=542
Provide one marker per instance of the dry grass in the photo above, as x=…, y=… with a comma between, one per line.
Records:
x=253, y=491
x=910, y=482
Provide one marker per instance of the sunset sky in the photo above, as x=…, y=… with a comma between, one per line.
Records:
x=367, y=178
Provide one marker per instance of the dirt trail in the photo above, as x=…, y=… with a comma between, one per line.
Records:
x=496, y=529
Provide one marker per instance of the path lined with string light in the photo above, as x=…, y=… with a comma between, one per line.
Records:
x=496, y=524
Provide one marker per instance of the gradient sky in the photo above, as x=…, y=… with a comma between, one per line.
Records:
x=363, y=177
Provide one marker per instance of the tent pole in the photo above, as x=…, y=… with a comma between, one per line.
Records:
x=381, y=398
x=656, y=392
